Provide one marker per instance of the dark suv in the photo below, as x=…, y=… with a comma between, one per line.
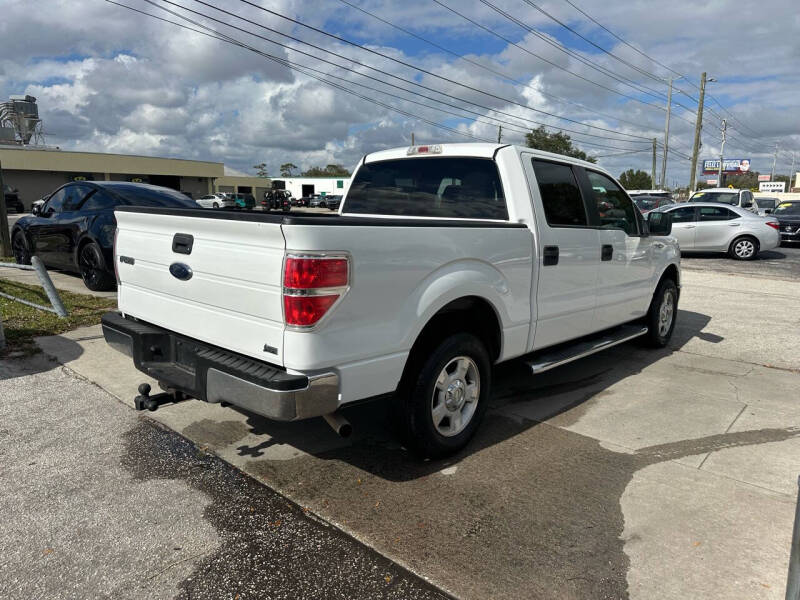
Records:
x=12, y=199
x=788, y=215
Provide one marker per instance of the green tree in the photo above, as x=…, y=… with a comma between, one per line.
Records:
x=636, y=180
x=328, y=171
x=559, y=143
x=261, y=170
x=287, y=168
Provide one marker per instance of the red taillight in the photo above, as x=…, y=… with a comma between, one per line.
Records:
x=304, y=311
x=311, y=286
x=313, y=273
x=114, y=255
x=774, y=224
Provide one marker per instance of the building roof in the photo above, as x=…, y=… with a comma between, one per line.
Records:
x=28, y=158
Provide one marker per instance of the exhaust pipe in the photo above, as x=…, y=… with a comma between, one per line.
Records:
x=339, y=424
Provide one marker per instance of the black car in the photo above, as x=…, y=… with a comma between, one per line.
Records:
x=333, y=202
x=12, y=200
x=74, y=228
x=788, y=215
x=277, y=200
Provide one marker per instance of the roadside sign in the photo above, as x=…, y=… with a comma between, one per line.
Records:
x=729, y=165
x=712, y=181
x=772, y=186
x=763, y=177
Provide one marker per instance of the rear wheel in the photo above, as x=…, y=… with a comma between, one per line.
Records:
x=215, y=205
x=20, y=248
x=444, y=397
x=661, y=315
x=92, y=267
x=743, y=248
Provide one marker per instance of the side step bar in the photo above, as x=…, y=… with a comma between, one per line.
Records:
x=555, y=358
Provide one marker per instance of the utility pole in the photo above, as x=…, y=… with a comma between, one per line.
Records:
x=5, y=236
x=412, y=138
x=791, y=175
x=697, y=128
x=653, y=170
x=499, y=134
x=774, y=160
x=662, y=183
x=722, y=152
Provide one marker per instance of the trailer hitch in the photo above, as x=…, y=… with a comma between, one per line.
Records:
x=144, y=401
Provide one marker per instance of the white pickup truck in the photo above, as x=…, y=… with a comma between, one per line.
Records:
x=442, y=261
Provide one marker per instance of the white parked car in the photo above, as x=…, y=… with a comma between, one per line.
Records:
x=715, y=227
x=729, y=196
x=218, y=200
x=443, y=261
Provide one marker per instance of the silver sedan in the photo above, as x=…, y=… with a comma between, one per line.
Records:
x=717, y=227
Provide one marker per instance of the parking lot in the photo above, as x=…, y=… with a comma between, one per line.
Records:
x=629, y=474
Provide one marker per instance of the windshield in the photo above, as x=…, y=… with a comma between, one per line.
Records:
x=731, y=198
x=766, y=202
x=788, y=208
x=650, y=202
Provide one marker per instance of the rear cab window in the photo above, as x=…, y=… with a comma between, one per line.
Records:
x=438, y=187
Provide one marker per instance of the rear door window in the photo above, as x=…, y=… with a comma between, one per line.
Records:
x=716, y=213
x=561, y=196
x=451, y=188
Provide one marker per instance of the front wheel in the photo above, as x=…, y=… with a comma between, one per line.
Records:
x=444, y=397
x=215, y=205
x=661, y=315
x=743, y=248
x=93, y=270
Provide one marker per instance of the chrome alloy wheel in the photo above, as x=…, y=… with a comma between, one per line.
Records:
x=744, y=248
x=455, y=396
x=666, y=313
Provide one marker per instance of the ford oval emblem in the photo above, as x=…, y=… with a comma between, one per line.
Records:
x=181, y=271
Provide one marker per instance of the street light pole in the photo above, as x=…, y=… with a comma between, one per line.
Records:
x=662, y=182
x=774, y=160
x=722, y=152
x=653, y=171
x=697, y=128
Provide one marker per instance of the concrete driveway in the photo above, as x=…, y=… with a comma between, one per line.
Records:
x=630, y=474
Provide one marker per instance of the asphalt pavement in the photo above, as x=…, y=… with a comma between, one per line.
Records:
x=780, y=263
x=100, y=503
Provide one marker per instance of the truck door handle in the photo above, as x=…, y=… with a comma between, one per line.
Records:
x=734, y=224
x=607, y=252
x=550, y=256
x=182, y=243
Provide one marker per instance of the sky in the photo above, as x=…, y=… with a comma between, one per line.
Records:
x=111, y=80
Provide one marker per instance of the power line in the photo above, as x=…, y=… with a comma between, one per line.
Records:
x=294, y=49
x=224, y=38
x=549, y=62
x=404, y=63
x=489, y=69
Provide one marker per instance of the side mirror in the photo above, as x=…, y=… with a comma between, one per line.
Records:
x=768, y=211
x=659, y=223
x=36, y=209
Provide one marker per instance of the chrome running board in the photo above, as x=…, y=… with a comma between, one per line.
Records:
x=607, y=339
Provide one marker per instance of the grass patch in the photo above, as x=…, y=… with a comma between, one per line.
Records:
x=23, y=323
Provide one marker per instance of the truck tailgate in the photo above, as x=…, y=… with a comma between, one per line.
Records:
x=231, y=297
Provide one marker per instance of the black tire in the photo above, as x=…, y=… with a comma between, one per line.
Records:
x=415, y=403
x=744, y=247
x=93, y=270
x=658, y=336
x=19, y=246
x=215, y=205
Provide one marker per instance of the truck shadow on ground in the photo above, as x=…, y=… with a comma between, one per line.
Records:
x=373, y=446
x=534, y=508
